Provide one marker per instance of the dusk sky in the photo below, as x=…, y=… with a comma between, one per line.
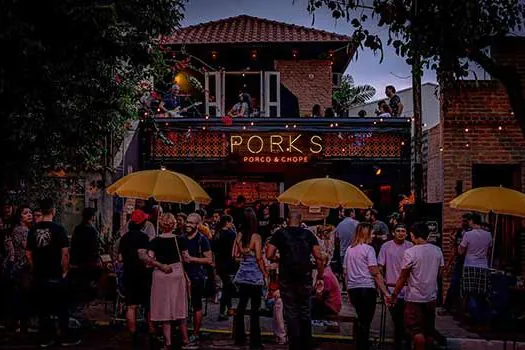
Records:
x=365, y=70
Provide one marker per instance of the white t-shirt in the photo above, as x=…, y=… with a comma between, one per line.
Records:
x=477, y=243
x=357, y=261
x=391, y=257
x=424, y=262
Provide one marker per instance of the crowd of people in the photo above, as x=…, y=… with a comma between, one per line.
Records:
x=167, y=263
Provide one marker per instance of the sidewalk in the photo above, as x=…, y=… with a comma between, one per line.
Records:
x=457, y=337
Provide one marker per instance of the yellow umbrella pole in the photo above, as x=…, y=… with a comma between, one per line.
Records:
x=494, y=241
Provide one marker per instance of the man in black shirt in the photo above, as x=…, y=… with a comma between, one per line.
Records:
x=296, y=245
x=394, y=101
x=85, y=259
x=137, y=279
x=48, y=253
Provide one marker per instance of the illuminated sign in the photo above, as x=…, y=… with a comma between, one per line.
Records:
x=271, y=144
x=271, y=147
x=273, y=159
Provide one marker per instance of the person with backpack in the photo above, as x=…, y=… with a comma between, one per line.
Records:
x=296, y=245
x=195, y=262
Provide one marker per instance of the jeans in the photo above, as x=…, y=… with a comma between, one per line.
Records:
x=479, y=307
x=227, y=292
x=319, y=309
x=397, y=314
x=364, y=302
x=296, y=302
x=52, y=300
x=452, y=299
x=254, y=294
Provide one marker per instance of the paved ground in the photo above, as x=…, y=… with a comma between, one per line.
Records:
x=103, y=332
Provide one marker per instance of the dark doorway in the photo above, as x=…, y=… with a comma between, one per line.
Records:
x=506, y=175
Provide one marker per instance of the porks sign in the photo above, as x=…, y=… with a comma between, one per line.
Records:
x=275, y=148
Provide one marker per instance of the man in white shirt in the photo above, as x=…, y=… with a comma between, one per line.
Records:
x=390, y=260
x=476, y=245
x=421, y=267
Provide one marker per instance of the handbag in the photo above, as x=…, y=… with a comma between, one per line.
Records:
x=186, y=278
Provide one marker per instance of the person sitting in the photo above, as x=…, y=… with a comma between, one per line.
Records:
x=329, y=113
x=241, y=108
x=383, y=110
x=316, y=111
x=327, y=299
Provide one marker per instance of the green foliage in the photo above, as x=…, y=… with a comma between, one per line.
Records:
x=348, y=95
x=438, y=34
x=70, y=76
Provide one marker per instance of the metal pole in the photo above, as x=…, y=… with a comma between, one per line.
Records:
x=494, y=241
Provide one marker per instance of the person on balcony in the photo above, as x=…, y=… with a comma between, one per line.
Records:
x=394, y=101
x=329, y=113
x=316, y=111
x=241, y=108
x=171, y=103
x=383, y=110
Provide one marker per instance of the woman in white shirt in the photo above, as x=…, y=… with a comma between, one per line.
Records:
x=363, y=274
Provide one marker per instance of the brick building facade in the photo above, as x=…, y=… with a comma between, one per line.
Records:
x=480, y=144
x=309, y=80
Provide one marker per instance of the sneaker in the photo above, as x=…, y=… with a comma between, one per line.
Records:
x=46, y=344
x=189, y=346
x=71, y=342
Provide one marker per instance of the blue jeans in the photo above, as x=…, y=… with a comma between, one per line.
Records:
x=479, y=308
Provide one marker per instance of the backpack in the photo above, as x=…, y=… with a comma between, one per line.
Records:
x=297, y=260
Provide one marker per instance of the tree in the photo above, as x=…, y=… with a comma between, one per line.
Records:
x=443, y=33
x=71, y=75
x=348, y=95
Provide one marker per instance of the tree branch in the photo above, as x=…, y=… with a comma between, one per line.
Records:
x=508, y=76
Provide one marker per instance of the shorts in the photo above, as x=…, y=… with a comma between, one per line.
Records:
x=420, y=318
x=197, y=293
x=137, y=291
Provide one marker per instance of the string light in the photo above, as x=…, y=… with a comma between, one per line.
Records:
x=344, y=150
x=467, y=145
x=441, y=149
x=214, y=55
x=381, y=120
x=336, y=125
x=500, y=128
x=466, y=129
x=332, y=125
x=375, y=122
x=251, y=123
x=286, y=126
x=294, y=126
x=244, y=127
x=402, y=143
x=206, y=117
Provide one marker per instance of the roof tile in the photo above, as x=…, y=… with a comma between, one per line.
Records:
x=248, y=29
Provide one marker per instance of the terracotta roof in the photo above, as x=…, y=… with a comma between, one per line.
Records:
x=248, y=29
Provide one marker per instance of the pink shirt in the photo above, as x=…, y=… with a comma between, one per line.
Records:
x=332, y=291
x=391, y=257
x=357, y=261
x=424, y=262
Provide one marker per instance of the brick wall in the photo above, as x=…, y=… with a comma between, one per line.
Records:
x=432, y=165
x=295, y=76
x=480, y=107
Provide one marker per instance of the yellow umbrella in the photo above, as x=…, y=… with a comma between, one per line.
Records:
x=161, y=185
x=499, y=200
x=326, y=193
